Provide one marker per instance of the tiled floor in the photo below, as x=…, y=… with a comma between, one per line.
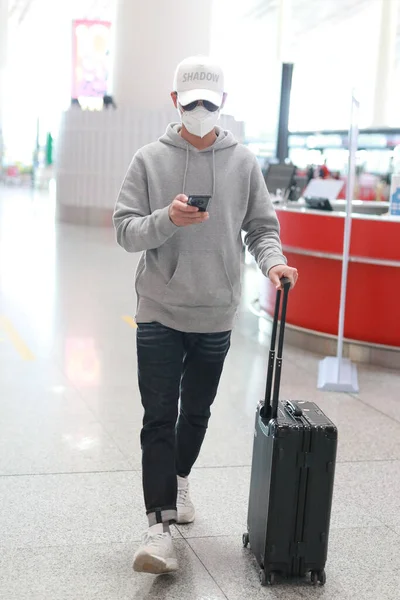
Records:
x=71, y=510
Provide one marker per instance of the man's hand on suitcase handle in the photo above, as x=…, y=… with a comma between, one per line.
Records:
x=277, y=273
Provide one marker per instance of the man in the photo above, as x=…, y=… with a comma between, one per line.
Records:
x=188, y=285
x=324, y=172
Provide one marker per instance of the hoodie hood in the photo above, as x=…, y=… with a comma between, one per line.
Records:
x=172, y=137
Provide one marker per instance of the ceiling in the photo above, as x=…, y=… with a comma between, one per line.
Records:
x=309, y=14
x=306, y=14
x=19, y=10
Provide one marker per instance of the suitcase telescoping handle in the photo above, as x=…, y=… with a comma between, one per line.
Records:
x=275, y=366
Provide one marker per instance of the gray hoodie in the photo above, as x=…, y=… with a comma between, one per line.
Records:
x=188, y=278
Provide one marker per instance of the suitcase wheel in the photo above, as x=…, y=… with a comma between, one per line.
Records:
x=322, y=577
x=267, y=579
x=318, y=577
x=246, y=540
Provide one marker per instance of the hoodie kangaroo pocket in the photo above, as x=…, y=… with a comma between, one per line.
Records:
x=201, y=280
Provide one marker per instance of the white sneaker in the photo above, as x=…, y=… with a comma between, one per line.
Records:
x=156, y=554
x=186, y=510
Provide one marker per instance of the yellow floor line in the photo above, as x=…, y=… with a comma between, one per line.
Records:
x=17, y=341
x=130, y=321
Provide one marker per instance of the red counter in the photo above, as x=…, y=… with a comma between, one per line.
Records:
x=313, y=242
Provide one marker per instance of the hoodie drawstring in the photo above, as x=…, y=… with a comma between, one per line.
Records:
x=187, y=168
x=213, y=191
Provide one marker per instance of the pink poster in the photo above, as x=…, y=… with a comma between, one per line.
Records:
x=90, y=66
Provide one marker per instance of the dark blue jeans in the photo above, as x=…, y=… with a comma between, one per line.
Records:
x=173, y=365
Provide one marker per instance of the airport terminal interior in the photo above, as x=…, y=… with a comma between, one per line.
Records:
x=83, y=86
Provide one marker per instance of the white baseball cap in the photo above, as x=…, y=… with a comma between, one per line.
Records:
x=199, y=78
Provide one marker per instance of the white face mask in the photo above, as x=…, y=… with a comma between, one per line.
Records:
x=199, y=121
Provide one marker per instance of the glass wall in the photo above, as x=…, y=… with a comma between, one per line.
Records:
x=246, y=45
x=334, y=46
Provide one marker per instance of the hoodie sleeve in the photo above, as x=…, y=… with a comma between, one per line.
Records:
x=261, y=224
x=138, y=228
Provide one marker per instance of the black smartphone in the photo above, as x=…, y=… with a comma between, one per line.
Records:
x=200, y=202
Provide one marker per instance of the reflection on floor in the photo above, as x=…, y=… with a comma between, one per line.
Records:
x=71, y=509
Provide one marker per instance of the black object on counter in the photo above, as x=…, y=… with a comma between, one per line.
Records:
x=319, y=204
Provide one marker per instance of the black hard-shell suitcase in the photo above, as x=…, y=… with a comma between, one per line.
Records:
x=292, y=478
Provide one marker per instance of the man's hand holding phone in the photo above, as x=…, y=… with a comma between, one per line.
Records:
x=181, y=214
